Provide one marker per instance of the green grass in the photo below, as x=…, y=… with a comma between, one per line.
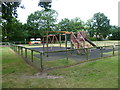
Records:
x=96, y=74
x=111, y=53
x=57, y=63
x=13, y=64
x=98, y=43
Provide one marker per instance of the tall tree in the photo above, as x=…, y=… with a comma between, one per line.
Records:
x=9, y=11
x=100, y=25
x=74, y=25
x=45, y=4
x=42, y=21
x=89, y=28
x=64, y=25
x=115, y=33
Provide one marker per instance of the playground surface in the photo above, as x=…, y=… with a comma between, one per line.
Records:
x=93, y=53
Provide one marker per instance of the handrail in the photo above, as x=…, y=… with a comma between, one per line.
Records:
x=76, y=38
x=81, y=36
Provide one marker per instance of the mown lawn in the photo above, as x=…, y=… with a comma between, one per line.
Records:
x=97, y=43
x=16, y=73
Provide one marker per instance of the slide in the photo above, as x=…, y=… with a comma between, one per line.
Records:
x=90, y=42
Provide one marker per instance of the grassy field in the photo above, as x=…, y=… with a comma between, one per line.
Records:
x=16, y=73
x=97, y=43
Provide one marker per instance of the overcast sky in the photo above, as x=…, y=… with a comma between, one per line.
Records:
x=84, y=9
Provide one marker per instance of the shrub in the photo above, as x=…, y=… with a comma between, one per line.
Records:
x=92, y=38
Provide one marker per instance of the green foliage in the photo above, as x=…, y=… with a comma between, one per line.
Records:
x=99, y=26
x=15, y=32
x=9, y=10
x=74, y=25
x=41, y=21
x=93, y=38
x=115, y=33
x=45, y=4
x=9, y=26
x=89, y=28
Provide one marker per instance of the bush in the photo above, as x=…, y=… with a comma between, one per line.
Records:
x=92, y=38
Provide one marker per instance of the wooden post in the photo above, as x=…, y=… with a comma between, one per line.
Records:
x=21, y=51
x=41, y=61
x=66, y=47
x=25, y=52
x=66, y=41
x=13, y=47
x=16, y=48
x=32, y=55
x=101, y=50
x=113, y=50
x=47, y=43
x=66, y=54
x=71, y=46
x=60, y=40
x=87, y=54
x=43, y=44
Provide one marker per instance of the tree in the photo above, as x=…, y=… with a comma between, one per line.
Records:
x=41, y=21
x=77, y=24
x=89, y=28
x=9, y=11
x=74, y=25
x=64, y=25
x=100, y=25
x=115, y=33
x=45, y=4
x=18, y=32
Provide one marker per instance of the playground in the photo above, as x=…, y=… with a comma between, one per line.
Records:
x=93, y=53
x=76, y=48
x=78, y=62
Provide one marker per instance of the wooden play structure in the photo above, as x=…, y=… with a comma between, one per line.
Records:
x=77, y=40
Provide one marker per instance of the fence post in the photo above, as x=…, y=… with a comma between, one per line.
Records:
x=113, y=50
x=41, y=61
x=87, y=54
x=32, y=55
x=18, y=49
x=25, y=52
x=21, y=50
x=66, y=54
x=101, y=50
x=15, y=47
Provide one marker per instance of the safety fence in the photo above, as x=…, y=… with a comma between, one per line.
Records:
x=50, y=59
